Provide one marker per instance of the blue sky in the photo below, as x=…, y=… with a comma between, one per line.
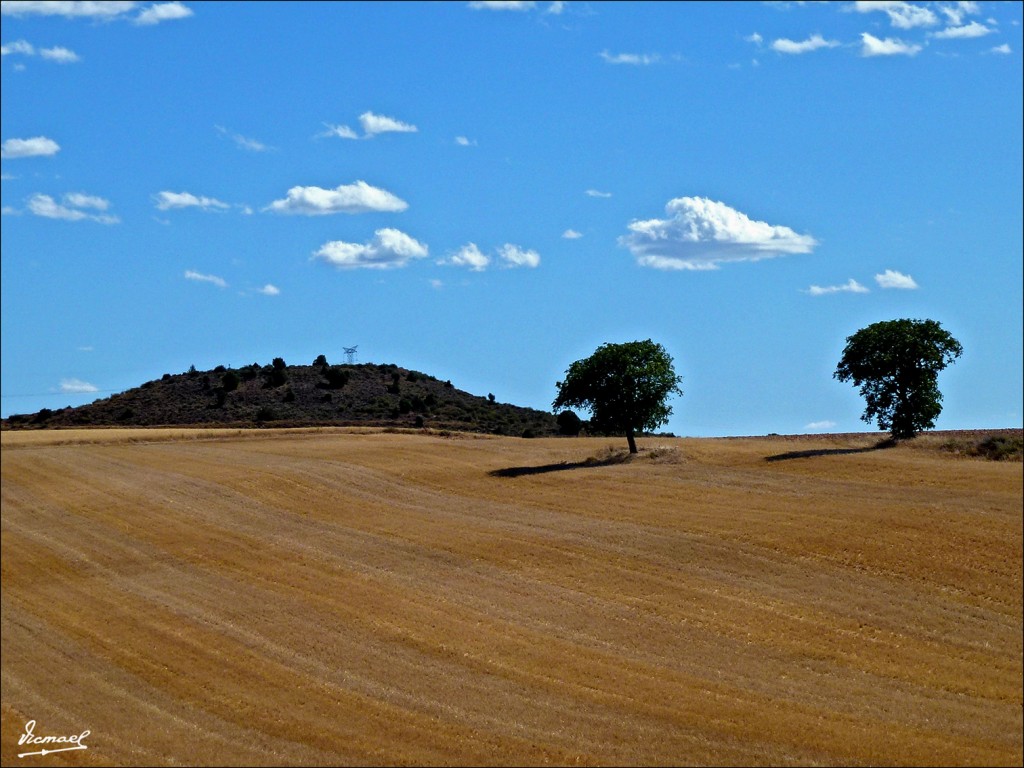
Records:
x=487, y=192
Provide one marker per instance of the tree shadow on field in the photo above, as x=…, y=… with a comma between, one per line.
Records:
x=879, y=446
x=562, y=466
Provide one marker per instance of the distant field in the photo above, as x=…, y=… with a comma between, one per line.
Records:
x=333, y=597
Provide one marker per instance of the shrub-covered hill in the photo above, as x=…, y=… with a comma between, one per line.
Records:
x=299, y=395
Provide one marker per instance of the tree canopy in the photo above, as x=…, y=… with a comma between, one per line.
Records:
x=896, y=364
x=625, y=387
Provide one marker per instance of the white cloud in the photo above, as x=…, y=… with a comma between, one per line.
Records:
x=388, y=249
x=974, y=29
x=70, y=208
x=514, y=256
x=24, y=47
x=76, y=387
x=755, y=38
x=8, y=210
x=572, y=234
x=163, y=12
x=374, y=124
x=813, y=43
x=468, y=256
x=68, y=8
x=699, y=234
x=353, y=198
x=820, y=425
x=200, y=277
x=165, y=201
x=1004, y=48
x=243, y=142
x=503, y=5
x=597, y=193
x=59, y=54
x=339, y=131
x=635, y=59
x=851, y=286
x=80, y=200
x=40, y=146
x=889, y=47
x=269, y=290
x=556, y=7
x=462, y=141
x=955, y=13
x=902, y=15
x=893, y=279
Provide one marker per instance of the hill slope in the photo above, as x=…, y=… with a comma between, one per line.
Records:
x=300, y=395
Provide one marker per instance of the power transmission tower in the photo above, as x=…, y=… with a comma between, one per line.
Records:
x=350, y=354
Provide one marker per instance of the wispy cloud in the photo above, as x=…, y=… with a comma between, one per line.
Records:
x=597, y=193
x=338, y=131
x=633, y=59
x=892, y=279
x=39, y=146
x=813, y=43
x=389, y=249
x=851, y=286
x=375, y=124
x=462, y=141
x=469, y=256
x=200, y=277
x=974, y=29
x=700, y=234
x=352, y=198
x=166, y=201
x=71, y=208
x=269, y=290
x=572, y=234
x=515, y=256
x=502, y=5
x=77, y=387
x=103, y=10
x=58, y=53
x=242, y=142
x=1003, y=49
x=891, y=46
x=819, y=426
x=160, y=12
x=901, y=15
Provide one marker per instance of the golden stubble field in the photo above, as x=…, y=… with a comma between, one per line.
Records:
x=342, y=597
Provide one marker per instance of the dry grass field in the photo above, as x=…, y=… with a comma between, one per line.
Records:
x=329, y=597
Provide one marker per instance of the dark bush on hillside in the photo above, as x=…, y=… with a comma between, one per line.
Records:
x=165, y=377
x=1001, y=448
x=289, y=396
x=230, y=381
x=321, y=361
x=412, y=376
x=219, y=369
x=278, y=363
x=404, y=406
x=569, y=424
x=265, y=413
x=337, y=377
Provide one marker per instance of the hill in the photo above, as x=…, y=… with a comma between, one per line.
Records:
x=299, y=395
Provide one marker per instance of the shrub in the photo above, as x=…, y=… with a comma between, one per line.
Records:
x=321, y=361
x=289, y=396
x=265, y=413
x=337, y=377
x=1001, y=448
x=278, y=363
x=569, y=424
x=230, y=381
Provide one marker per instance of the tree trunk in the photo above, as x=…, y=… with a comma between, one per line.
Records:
x=631, y=441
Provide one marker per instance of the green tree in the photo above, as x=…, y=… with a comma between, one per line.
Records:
x=896, y=365
x=624, y=386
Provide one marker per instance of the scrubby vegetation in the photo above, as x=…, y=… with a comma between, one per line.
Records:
x=1000, y=447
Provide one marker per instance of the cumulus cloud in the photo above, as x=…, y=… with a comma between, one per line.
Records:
x=159, y=12
x=813, y=43
x=388, y=249
x=39, y=146
x=269, y=290
x=892, y=279
x=1004, y=49
x=166, y=201
x=851, y=286
x=352, y=198
x=700, y=234
x=755, y=38
x=24, y=47
x=597, y=193
x=572, y=234
x=468, y=256
x=514, y=256
x=200, y=277
x=76, y=387
x=374, y=124
x=974, y=29
x=891, y=46
x=634, y=59
x=59, y=54
x=70, y=208
x=901, y=15
x=462, y=141
x=955, y=13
